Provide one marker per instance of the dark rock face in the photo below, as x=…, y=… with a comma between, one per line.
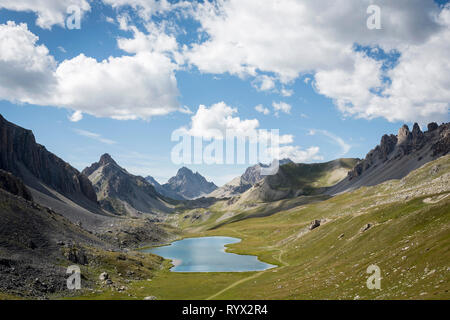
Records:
x=442, y=146
x=405, y=143
x=190, y=185
x=432, y=126
x=19, y=153
x=76, y=255
x=14, y=185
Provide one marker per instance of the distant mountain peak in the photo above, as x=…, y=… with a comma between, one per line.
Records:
x=185, y=171
x=189, y=185
x=106, y=159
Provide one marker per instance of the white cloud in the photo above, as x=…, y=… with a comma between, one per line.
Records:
x=261, y=109
x=148, y=8
x=352, y=86
x=110, y=20
x=296, y=154
x=128, y=87
x=291, y=38
x=281, y=106
x=420, y=87
x=345, y=147
x=286, y=93
x=76, y=116
x=94, y=136
x=26, y=68
x=49, y=12
x=218, y=120
x=157, y=39
x=264, y=83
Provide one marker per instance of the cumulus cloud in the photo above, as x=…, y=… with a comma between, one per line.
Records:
x=26, y=68
x=281, y=107
x=219, y=120
x=264, y=83
x=49, y=12
x=261, y=109
x=286, y=92
x=419, y=86
x=319, y=37
x=128, y=87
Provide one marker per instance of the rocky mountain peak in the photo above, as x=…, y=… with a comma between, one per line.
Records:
x=122, y=193
x=189, y=184
x=406, y=145
x=184, y=172
x=432, y=126
x=403, y=134
x=106, y=159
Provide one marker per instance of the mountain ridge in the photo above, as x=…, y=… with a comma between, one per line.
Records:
x=397, y=155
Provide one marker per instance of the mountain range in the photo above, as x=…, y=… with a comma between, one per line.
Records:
x=52, y=215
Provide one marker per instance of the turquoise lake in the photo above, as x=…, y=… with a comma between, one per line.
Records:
x=208, y=255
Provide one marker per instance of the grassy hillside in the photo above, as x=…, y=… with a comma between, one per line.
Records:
x=311, y=176
x=409, y=239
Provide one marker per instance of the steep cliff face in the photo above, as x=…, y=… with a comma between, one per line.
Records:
x=123, y=193
x=21, y=155
x=398, y=155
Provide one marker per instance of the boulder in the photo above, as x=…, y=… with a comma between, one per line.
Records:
x=104, y=276
x=314, y=224
x=366, y=227
x=150, y=298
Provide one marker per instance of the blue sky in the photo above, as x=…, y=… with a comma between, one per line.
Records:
x=342, y=99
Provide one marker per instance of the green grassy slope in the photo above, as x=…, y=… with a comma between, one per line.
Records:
x=409, y=240
x=311, y=176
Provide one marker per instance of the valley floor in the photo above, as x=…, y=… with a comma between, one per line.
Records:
x=401, y=226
